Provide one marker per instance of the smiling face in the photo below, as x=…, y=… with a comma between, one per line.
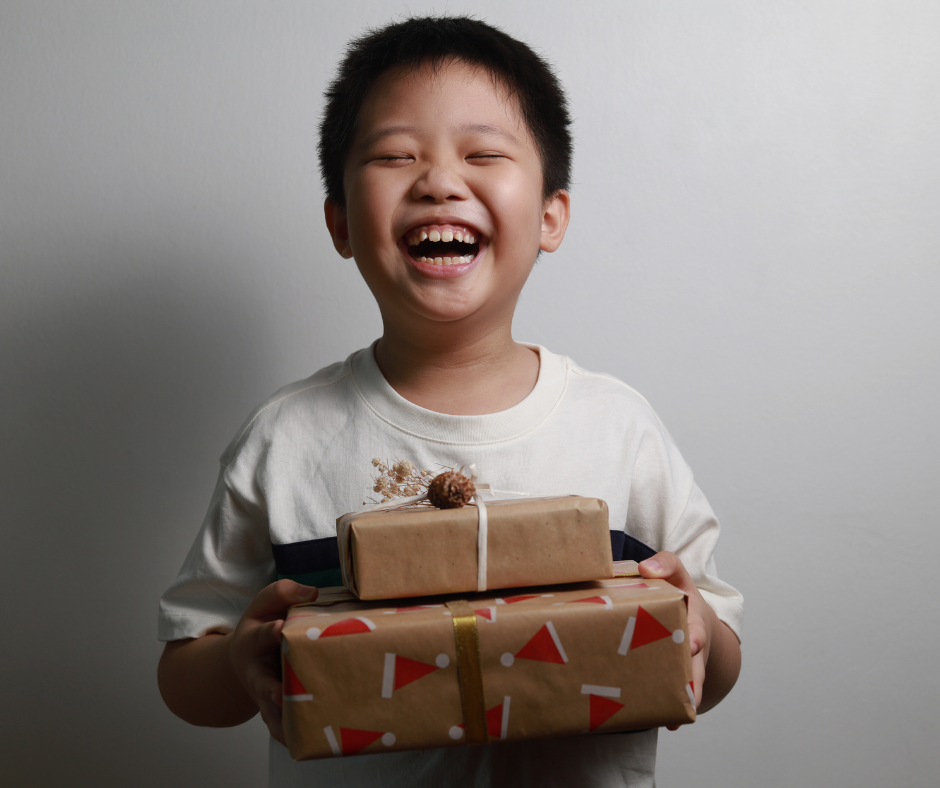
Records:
x=444, y=207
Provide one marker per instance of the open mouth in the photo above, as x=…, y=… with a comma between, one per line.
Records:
x=442, y=244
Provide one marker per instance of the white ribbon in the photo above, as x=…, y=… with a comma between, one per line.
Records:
x=482, y=525
x=482, y=520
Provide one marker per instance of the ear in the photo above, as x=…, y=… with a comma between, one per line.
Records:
x=555, y=215
x=339, y=228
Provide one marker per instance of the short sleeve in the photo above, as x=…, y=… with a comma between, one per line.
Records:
x=693, y=540
x=668, y=511
x=228, y=564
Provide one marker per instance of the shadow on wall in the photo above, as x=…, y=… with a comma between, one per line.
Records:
x=120, y=390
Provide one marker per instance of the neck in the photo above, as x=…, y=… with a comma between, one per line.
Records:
x=449, y=372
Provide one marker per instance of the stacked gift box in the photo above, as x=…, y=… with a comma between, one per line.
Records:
x=412, y=655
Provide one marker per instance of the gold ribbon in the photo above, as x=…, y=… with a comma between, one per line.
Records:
x=469, y=671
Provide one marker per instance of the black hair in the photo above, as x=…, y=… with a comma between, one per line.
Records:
x=434, y=40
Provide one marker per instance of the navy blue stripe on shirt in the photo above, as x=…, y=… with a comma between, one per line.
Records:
x=313, y=563
x=313, y=555
x=316, y=561
x=625, y=548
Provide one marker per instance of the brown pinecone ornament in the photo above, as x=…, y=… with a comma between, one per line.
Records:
x=450, y=490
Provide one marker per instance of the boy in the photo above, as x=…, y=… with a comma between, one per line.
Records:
x=446, y=156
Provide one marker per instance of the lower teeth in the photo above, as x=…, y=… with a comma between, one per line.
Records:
x=446, y=260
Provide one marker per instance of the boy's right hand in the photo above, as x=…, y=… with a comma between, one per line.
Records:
x=254, y=647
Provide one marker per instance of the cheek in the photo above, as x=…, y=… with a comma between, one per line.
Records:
x=368, y=219
x=520, y=205
x=371, y=197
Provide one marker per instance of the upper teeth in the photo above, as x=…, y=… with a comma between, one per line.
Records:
x=417, y=236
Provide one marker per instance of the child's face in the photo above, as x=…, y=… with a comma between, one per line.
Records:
x=445, y=158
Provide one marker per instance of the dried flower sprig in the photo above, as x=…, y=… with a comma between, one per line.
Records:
x=399, y=479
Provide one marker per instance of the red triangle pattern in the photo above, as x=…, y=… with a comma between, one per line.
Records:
x=485, y=612
x=647, y=630
x=494, y=721
x=354, y=740
x=595, y=599
x=408, y=670
x=292, y=684
x=602, y=709
x=348, y=626
x=509, y=600
x=541, y=648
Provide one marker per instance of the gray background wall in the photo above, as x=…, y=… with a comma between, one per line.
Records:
x=754, y=247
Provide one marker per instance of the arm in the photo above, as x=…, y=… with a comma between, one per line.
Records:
x=223, y=680
x=716, y=653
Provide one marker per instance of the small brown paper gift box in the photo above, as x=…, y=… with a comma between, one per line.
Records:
x=367, y=677
x=420, y=551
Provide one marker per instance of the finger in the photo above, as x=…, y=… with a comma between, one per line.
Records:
x=668, y=567
x=261, y=660
x=271, y=714
x=698, y=677
x=259, y=640
x=273, y=692
x=697, y=635
x=268, y=635
x=273, y=600
x=265, y=686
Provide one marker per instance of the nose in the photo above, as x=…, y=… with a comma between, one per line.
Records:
x=439, y=183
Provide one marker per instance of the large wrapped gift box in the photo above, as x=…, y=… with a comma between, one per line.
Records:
x=596, y=657
x=420, y=551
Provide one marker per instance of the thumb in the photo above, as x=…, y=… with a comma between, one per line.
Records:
x=273, y=600
x=667, y=566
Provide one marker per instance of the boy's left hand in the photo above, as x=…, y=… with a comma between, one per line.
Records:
x=704, y=628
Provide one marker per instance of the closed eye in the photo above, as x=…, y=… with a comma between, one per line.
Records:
x=403, y=157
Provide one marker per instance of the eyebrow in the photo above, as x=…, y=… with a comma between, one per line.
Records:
x=485, y=128
x=388, y=131
x=466, y=128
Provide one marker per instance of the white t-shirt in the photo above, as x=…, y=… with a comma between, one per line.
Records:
x=304, y=457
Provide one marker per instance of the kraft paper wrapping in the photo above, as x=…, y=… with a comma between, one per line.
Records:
x=367, y=677
x=424, y=551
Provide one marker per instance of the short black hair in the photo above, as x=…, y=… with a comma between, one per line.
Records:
x=434, y=40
